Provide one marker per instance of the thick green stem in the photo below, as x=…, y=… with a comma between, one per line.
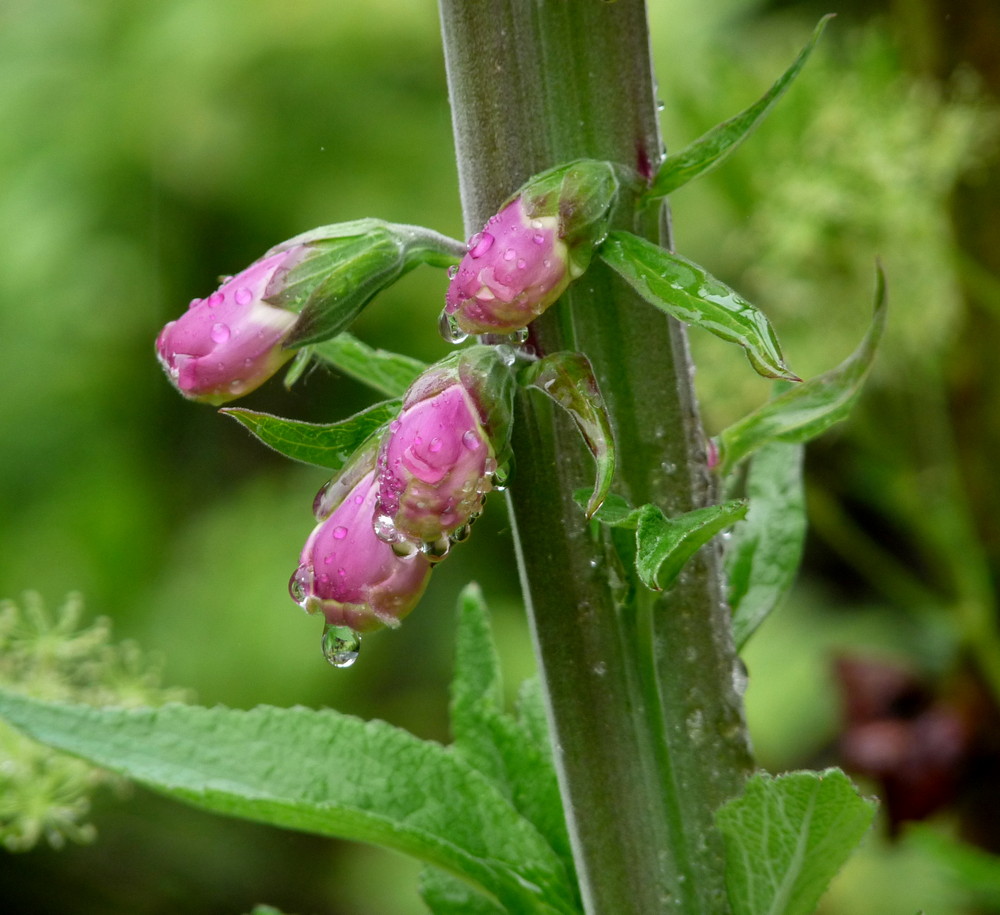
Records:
x=647, y=724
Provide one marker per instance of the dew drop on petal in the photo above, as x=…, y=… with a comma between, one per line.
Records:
x=480, y=243
x=341, y=645
x=452, y=271
x=395, y=425
x=509, y=254
x=471, y=440
x=193, y=303
x=435, y=446
x=539, y=239
x=243, y=296
x=220, y=333
x=216, y=298
x=521, y=263
x=339, y=533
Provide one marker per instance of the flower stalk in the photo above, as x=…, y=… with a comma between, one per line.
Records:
x=646, y=720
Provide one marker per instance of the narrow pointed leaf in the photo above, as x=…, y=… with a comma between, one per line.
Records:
x=330, y=445
x=688, y=293
x=321, y=772
x=388, y=373
x=568, y=379
x=786, y=837
x=664, y=545
x=712, y=149
x=810, y=408
x=504, y=748
x=762, y=558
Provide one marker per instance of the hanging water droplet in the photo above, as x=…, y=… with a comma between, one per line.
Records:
x=243, y=296
x=436, y=550
x=480, y=243
x=385, y=528
x=506, y=353
x=404, y=549
x=300, y=584
x=341, y=645
x=449, y=329
x=521, y=334
x=219, y=333
x=452, y=271
x=461, y=534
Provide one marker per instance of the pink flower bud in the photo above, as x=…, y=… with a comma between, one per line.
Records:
x=230, y=343
x=349, y=575
x=514, y=269
x=434, y=468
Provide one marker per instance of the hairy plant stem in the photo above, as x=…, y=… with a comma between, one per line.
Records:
x=647, y=724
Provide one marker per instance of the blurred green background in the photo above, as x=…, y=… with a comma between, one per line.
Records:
x=146, y=149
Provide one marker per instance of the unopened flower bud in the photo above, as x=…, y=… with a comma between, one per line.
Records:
x=351, y=576
x=528, y=253
x=437, y=459
x=230, y=343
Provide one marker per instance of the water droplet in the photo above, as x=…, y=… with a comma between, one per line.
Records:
x=461, y=534
x=341, y=645
x=220, y=333
x=536, y=223
x=404, y=549
x=339, y=533
x=521, y=263
x=436, y=550
x=243, y=296
x=435, y=446
x=216, y=298
x=480, y=243
x=385, y=528
x=539, y=239
x=506, y=353
x=194, y=302
x=741, y=677
x=471, y=440
x=449, y=329
x=509, y=254
x=521, y=334
x=395, y=425
x=600, y=668
x=452, y=271
x=668, y=467
x=300, y=584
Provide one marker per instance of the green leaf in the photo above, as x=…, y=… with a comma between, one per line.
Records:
x=808, y=409
x=663, y=545
x=763, y=556
x=712, y=149
x=329, y=445
x=508, y=750
x=568, y=380
x=444, y=894
x=786, y=837
x=389, y=373
x=321, y=772
x=973, y=869
x=688, y=293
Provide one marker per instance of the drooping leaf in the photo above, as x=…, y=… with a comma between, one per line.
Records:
x=388, y=373
x=321, y=772
x=810, y=408
x=568, y=380
x=787, y=836
x=664, y=545
x=324, y=445
x=712, y=149
x=687, y=292
x=763, y=555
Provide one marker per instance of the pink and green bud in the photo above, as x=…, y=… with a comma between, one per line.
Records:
x=439, y=456
x=347, y=573
x=228, y=344
x=528, y=253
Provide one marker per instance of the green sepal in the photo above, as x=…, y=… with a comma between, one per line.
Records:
x=323, y=445
x=322, y=772
x=762, y=556
x=663, y=545
x=810, y=408
x=344, y=266
x=786, y=837
x=712, y=149
x=388, y=373
x=690, y=294
x=568, y=380
x=581, y=193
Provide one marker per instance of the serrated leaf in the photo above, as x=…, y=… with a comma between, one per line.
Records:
x=389, y=373
x=568, y=380
x=505, y=748
x=690, y=294
x=762, y=557
x=663, y=545
x=321, y=772
x=785, y=837
x=712, y=149
x=810, y=408
x=324, y=445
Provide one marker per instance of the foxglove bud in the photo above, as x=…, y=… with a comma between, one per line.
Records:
x=347, y=573
x=438, y=457
x=529, y=252
x=230, y=343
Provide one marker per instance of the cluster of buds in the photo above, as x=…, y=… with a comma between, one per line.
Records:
x=527, y=254
x=407, y=495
